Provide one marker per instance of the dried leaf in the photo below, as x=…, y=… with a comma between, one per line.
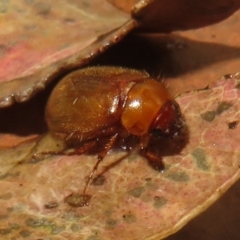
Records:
x=145, y=203
x=38, y=51
x=196, y=57
x=58, y=38
x=171, y=15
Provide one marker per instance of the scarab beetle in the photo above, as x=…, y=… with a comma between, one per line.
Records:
x=111, y=104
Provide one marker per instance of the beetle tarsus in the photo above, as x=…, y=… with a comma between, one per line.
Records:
x=154, y=160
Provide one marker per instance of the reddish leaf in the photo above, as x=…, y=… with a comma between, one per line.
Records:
x=170, y=15
x=132, y=196
x=214, y=51
x=59, y=37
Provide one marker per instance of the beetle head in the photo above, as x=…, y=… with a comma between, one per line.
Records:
x=168, y=122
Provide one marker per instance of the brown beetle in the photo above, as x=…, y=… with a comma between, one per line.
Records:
x=111, y=104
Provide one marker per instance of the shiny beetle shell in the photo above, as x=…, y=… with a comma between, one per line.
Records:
x=111, y=103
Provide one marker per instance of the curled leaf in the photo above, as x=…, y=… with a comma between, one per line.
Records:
x=60, y=37
x=172, y=15
x=65, y=36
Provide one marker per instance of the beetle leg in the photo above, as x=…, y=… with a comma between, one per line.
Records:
x=108, y=146
x=101, y=155
x=154, y=160
x=84, y=148
x=68, y=152
x=144, y=142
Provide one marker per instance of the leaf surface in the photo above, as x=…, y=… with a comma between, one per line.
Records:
x=131, y=196
x=59, y=37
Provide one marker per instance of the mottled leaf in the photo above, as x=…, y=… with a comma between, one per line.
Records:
x=146, y=203
x=32, y=201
